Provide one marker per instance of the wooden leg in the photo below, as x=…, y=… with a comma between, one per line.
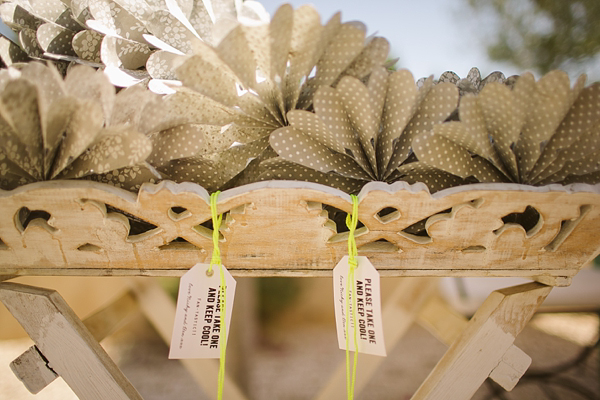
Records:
x=447, y=325
x=399, y=312
x=159, y=309
x=71, y=350
x=32, y=368
x=484, y=343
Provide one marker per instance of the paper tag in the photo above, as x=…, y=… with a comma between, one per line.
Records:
x=197, y=328
x=369, y=332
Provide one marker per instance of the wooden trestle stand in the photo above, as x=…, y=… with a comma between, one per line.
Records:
x=285, y=229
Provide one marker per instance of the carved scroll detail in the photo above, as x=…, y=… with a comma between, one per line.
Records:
x=289, y=226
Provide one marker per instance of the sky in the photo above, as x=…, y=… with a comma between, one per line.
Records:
x=429, y=36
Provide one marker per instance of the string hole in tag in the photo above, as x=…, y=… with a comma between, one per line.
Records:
x=210, y=272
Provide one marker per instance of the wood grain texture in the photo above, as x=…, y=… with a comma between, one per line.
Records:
x=70, y=348
x=483, y=344
x=447, y=325
x=283, y=228
x=32, y=368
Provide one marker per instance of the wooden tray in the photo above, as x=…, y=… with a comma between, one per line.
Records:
x=284, y=228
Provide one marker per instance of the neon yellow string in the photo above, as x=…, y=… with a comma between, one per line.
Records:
x=216, y=220
x=351, y=223
x=216, y=260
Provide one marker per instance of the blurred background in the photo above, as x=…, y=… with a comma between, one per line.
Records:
x=293, y=348
x=511, y=36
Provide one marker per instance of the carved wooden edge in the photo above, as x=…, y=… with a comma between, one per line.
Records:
x=281, y=228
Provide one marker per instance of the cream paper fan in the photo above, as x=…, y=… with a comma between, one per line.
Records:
x=73, y=128
x=235, y=94
x=537, y=133
x=133, y=39
x=363, y=132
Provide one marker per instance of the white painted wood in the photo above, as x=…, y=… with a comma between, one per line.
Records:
x=63, y=339
x=447, y=325
x=484, y=342
x=159, y=309
x=513, y=365
x=32, y=369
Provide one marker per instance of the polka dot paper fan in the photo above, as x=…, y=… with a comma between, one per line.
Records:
x=363, y=131
x=261, y=78
x=52, y=128
x=533, y=133
x=122, y=33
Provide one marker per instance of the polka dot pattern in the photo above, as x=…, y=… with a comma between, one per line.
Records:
x=295, y=146
x=434, y=178
x=345, y=46
x=127, y=20
x=437, y=105
x=307, y=42
x=116, y=148
x=579, y=121
x=21, y=130
x=181, y=141
x=11, y=53
x=215, y=170
x=347, y=127
x=372, y=56
x=55, y=39
x=535, y=132
x=67, y=129
x=357, y=104
x=214, y=80
x=400, y=104
x=280, y=169
x=550, y=101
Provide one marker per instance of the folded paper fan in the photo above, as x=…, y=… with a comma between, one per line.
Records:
x=245, y=87
x=73, y=128
x=472, y=83
x=363, y=132
x=135, y=39
x=535, y=133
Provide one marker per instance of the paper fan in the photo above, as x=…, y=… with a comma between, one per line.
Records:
x=73, y=128
x=134, y=39
x=535, y=133
x=472, y=83
x=235, y=94
x=363, y=132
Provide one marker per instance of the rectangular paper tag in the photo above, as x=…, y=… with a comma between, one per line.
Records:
x=369, y=328
x=197, y=327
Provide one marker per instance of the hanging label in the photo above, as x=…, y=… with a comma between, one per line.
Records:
x=369, y=322
x=197, y=328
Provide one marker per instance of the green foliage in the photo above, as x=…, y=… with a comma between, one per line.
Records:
x=544, y=34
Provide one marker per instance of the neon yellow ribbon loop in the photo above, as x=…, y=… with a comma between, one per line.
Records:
x=216, y=260
x=351, y=223
x=216, y=220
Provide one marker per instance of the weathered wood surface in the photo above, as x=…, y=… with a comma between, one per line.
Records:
x=283, y=228
x=70, y=348
x=484, y=343
x=447, y=325
x=32, y=368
